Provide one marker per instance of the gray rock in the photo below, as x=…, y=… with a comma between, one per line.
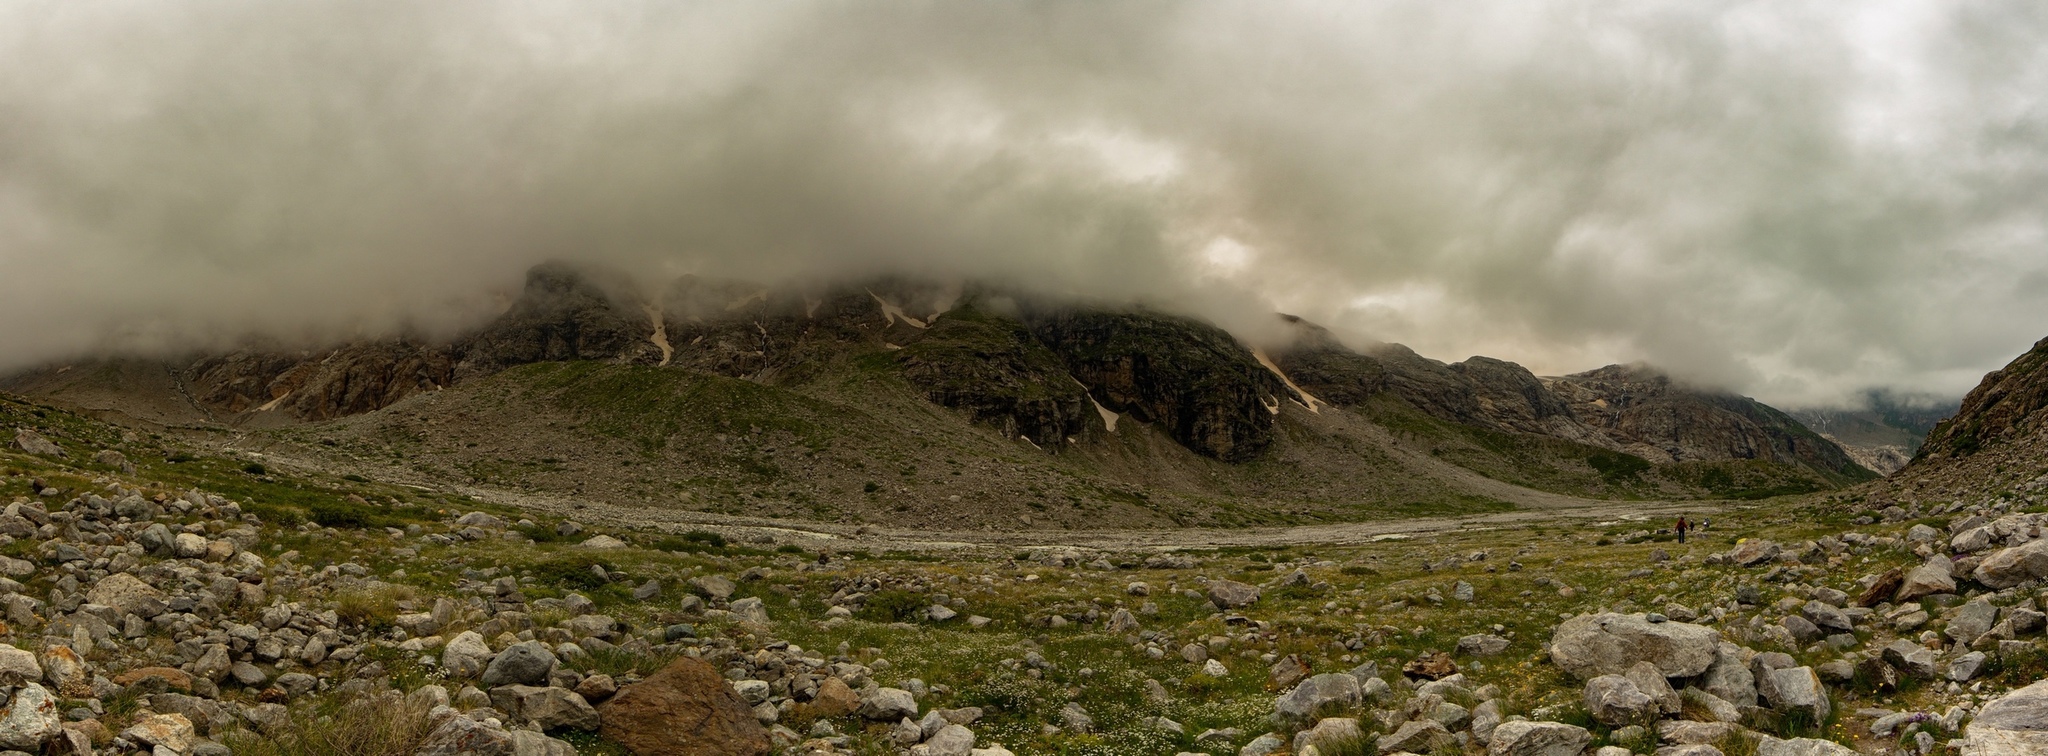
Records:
x=1263, y=745
x=34, y=443
x=1609, y=644
x=1728, y=677
x=1827, y=617
x=887, y=704
x=1330, y=735
x=1419, y=736
x=1230, y=594
x=1770, y=746
x=1316, y=697
x=1482, y=645
x=751, y=610
x=1798, y=689
x=1936, y=575
x=1076, y=719
x=1911, y=659
x=1971, y=620
x=950, y=740
x=1485, y=717
x=29, y=719
x=527, y=663
x=1652, y=683
x=715, y=587
x=1526, y=738
x=1966, y=667
x=465, y=655
x=551, y=708
x=2009, y=567
x=1615, y=701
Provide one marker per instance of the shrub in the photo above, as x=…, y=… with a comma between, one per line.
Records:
x=572, y=572
x=894, y=605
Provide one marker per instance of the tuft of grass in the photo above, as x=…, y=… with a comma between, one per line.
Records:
x=378, y=725
x=372, y=608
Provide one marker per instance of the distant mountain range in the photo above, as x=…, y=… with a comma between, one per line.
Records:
x=1886, y=433
x=896, y=399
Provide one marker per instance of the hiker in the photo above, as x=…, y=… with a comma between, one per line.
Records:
x=1682, y=527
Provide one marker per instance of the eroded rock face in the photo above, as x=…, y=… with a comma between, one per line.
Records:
x=1609, y=644
x=993, y=368
x=686, y=709
x=1192, y=379
x=564, y=314
x=1999, y=409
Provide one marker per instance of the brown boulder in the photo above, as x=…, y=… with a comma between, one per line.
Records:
x=686, y=709
x=174, y=679
x=833, y=699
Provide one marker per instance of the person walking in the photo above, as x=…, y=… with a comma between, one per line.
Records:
x=1682, y=527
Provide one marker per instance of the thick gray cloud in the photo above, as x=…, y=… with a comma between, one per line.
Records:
x=1794, y=199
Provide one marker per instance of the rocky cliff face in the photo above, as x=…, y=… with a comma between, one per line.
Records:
x=564, y=314
x=2010, y=404
x=347, y=381
x=1656, y=418
x=1197, y=382
x=994, y=369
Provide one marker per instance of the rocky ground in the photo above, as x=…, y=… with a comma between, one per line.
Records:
x=168, y=602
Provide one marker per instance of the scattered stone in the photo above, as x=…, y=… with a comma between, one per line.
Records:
x=686, y=709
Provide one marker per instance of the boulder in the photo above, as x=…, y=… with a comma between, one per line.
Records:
x=551, y=708
x=2010, y=725
x=950, y=740
x=1591, y=645
x=887, y=704
x=1652, y=683
x=1729, y=678
x=1330, y=735
x=1482, y=645
x=465, y=655
x=128, y=595
x=1799, y=690
x=1770, y=746
x=751, y=610
x=1971, y=620
x=1526, y=738
x=1936, y=575
x=527, y=663
x=1420, y=736
x=1912, y=659
x=1316, y=697
x=686, y=709
x=165, y=731
x=1752, y=552
x=1615, y=701
x=30, y=718
x=2009, y=567
x=34, y=443
x=1230, y=594
x=18, y=666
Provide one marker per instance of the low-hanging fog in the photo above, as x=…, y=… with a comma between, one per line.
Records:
x=1798, y=200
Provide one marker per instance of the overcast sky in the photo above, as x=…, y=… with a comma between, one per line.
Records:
x=1797, y=200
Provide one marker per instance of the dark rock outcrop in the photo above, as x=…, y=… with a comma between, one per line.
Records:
x=2007, y=405
x=347, y=381
x=564, y=314
x=1195, y=381
x=992, y=367
x=1640, y=407
x=1328, y=370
